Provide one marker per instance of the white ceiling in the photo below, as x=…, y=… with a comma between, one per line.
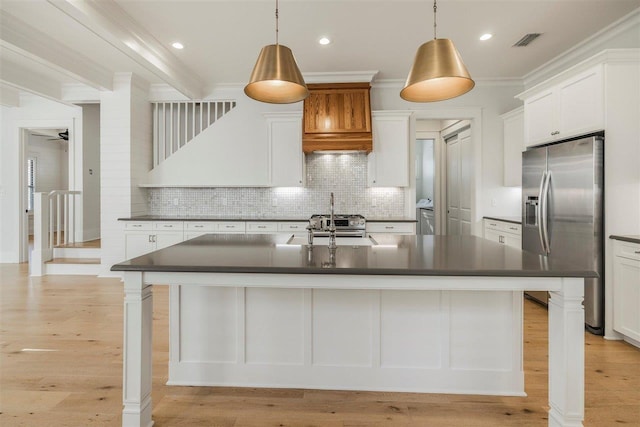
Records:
x=222, y=38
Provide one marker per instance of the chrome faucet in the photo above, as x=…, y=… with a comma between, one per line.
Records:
x=332, y=228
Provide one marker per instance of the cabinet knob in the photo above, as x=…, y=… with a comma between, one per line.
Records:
x=389, y=227
x=637, y=252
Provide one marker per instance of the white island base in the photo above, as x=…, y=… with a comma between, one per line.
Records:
x=438, y=334
x=416, y=341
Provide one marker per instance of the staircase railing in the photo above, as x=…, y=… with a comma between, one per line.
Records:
x=178, y=122
x=53, y=225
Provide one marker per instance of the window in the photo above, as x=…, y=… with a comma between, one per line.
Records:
x=31, y=181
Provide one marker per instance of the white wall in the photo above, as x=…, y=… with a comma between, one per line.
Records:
x=34, y=112
x=125, y=158
x=234, y=152
x=52, y=164
x=91, y=171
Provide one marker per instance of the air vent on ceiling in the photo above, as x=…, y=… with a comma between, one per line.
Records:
x=528, y=38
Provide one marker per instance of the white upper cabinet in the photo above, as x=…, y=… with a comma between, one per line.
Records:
x=285, y=147
x=513, y=123
x=389, y=161
x=570, y=108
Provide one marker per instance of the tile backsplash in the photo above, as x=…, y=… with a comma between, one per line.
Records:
x=343, y=174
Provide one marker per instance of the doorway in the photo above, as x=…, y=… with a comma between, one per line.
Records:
x=46, y=168
x=441, y=125
x=458, y=182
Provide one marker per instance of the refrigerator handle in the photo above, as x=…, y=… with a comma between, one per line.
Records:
x=544, y=210
x=540, y=211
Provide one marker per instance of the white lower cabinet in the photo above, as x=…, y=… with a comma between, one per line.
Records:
x=626, y=290
x=292, y=227
x=391, y=227
x=261, y=227
x=144, y=237
x=507, y=233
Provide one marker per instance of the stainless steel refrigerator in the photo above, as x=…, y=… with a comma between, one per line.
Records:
x=562, y=212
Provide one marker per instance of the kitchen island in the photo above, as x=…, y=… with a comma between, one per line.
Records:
x=388, y=312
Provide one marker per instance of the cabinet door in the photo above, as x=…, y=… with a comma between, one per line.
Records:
x=492, y=235
x=581, y=104
x=136, y=244
x=513, y=147
x=389, y=161
x=391, y=227
x=513, y=240
x=285, y=145
x=626, y=297
x=540, y=118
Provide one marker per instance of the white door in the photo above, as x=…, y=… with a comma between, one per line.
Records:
x=464, y=140
x=453, y=186
x=459, y=173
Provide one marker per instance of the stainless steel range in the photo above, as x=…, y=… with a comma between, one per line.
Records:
x=346, y=225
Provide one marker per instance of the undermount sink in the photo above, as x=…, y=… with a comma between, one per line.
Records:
x=340, y=241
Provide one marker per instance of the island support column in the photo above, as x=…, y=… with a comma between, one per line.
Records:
x=566, y=355
x=138, y=320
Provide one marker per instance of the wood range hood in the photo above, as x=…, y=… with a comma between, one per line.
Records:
x=337, y=117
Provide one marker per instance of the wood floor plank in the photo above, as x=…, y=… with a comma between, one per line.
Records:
x=80, y=384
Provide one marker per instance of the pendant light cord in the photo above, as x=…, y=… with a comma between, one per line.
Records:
x=435, y=9
x=276, y=22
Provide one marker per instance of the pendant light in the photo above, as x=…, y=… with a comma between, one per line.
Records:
x=438, y=72
x=276, y=78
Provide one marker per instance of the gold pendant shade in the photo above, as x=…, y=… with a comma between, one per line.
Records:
x=438, y=73
x=276, y=78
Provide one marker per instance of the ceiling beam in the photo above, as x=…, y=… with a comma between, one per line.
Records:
x=21, y=78
x=110, y=22
x=19, y=37
x=9, y=97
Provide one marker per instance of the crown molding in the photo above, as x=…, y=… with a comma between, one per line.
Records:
x=340, y=77
x=590, y=44
x=606, y=56
x=111, y=23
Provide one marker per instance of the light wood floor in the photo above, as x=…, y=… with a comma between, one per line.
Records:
x=77, y=382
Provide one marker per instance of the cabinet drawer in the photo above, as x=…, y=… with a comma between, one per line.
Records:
x=141, y=225
x=262, y=227
x=628, y=250
x=198, y=226
x=292, y=226
x=231, y=227
x=168, y=225
x=391, y=227
x=507, y=227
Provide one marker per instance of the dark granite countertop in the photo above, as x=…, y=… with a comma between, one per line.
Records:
x=394, y=255
x=512, y=219
x=631, y=239
x=246, y=218
x=209, y=218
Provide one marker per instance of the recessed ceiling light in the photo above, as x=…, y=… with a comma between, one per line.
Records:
x=324, y=41
x=486, y=36
x=177, y=45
